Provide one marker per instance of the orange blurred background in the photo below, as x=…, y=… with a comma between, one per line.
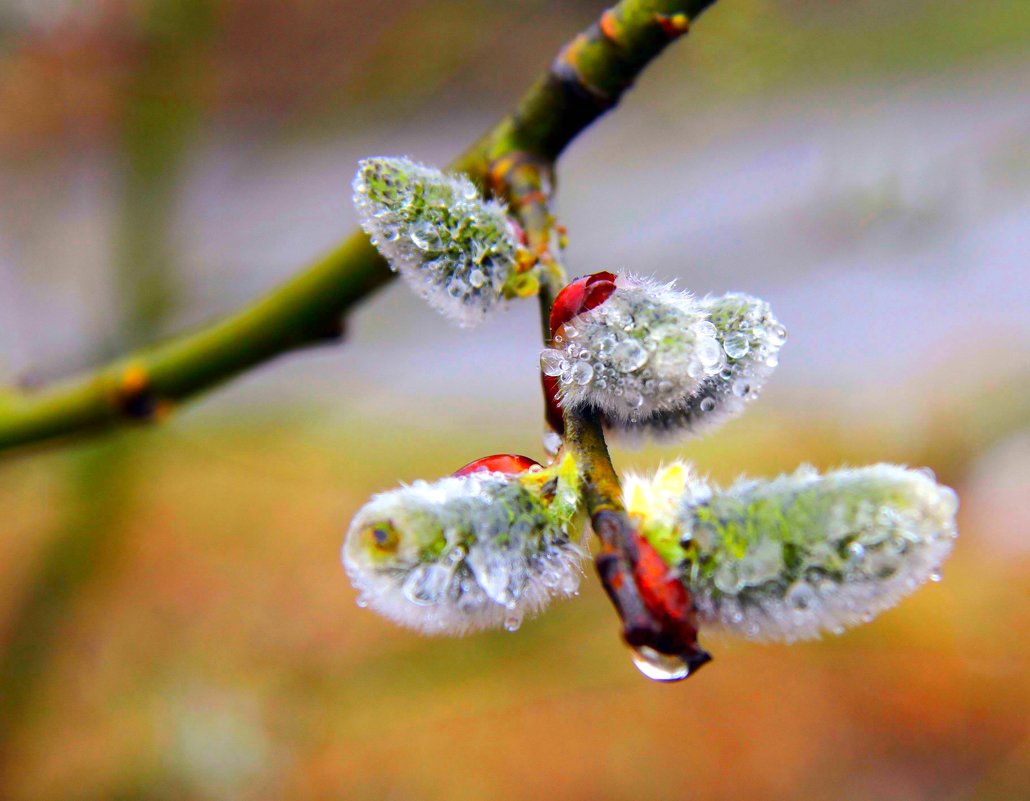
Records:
x=174, y=621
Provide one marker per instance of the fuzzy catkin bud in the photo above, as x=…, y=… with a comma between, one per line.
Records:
x=655, y=361
x=468, y=552
x=749, y=338
x=452, y=247
x=803, y=553
x=634, y=354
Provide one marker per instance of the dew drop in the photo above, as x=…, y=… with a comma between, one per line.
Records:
x=801, y=597
x=477, y=278
x=708, y=352
x=658, y=666
x=935, y=575
x=512, y=620
x=707, y=404
x=629, y=355
x=736, y=346
x=707, y=330
x=741, y=388
x=456, y=288
x=582, y=373
x=633, y=399
x=777, y=334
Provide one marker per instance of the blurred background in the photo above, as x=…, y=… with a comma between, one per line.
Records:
x=174, y=622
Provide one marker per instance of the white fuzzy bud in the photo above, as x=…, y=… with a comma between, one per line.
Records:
x=452, y=247
x=467, y=552
x=640, y=352
x=749, y=338
x=803, y=553
x=655, y=361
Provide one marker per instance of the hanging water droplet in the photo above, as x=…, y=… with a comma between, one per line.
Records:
x=736, y=346
x=551, y=362
x=512, y=620
x=658, y=666
x=935, y=575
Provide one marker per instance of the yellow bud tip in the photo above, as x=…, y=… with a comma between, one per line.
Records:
x=134, y=380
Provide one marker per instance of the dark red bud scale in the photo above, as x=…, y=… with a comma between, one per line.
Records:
x=508, y=463
x=582, y=294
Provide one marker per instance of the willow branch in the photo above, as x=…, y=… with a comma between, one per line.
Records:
x=586, y=80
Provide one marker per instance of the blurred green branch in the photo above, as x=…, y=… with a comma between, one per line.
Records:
x=586, y=80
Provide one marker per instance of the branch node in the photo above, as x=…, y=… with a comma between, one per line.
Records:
x=674, y=25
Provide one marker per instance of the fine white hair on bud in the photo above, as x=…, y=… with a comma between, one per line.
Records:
x=749, y=338
x=452, y=247
x=468, y=552
x=642, y=351
x=801, y=554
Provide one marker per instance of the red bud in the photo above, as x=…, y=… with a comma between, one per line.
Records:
x=583, y=294
x=508, y=463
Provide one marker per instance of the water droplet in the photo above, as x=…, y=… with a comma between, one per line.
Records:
x=856, y=552
x=707, y=404
x=477, y=278
x=424, y=236
x=456, y=288
x=606, y=345
x=708, y=352
x=552, y=442
x=736, y=346
x=801, y=597
x=512, y=620
x=551, y=361
x=936, y=575
x=707, y=330
x=363, y=600
x=629, y=355
x=741, y=388
x=633, y=399
x=777, y=334
x=582, y=373
x=658, y=666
